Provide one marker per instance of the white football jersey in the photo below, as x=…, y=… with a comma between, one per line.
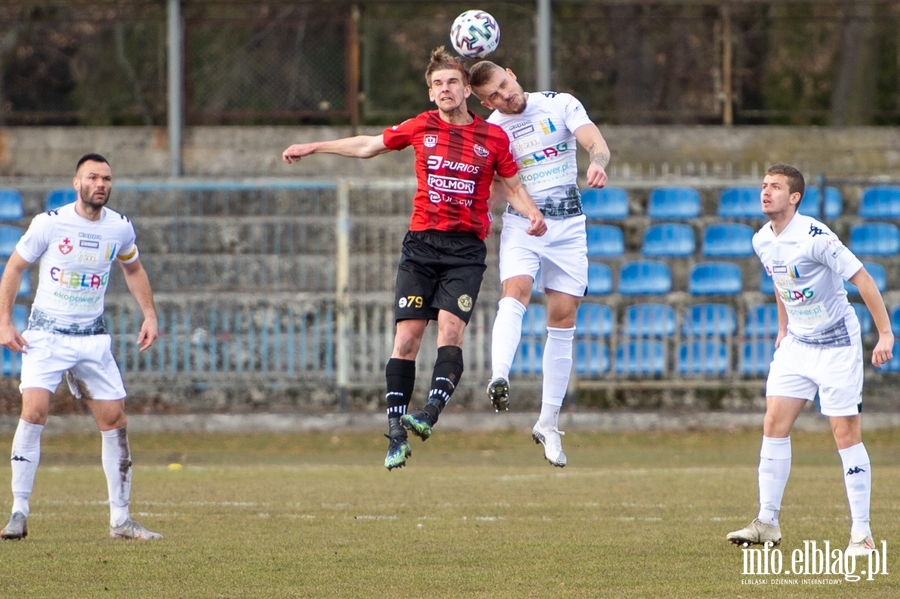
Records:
x=76, y=255
x=809, y=265
x=542, y=141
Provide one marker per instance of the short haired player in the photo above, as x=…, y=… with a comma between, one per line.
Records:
x=77, y=246
x=543, y=128
x=443, y=258
x=818, y=350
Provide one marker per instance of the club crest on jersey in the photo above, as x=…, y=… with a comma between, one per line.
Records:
x=430, y=141
x=66, y=246
x=480, y=151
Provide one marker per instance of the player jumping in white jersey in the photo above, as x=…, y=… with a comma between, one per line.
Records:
x=66, y=336
x=819, y=349
x=543, y=129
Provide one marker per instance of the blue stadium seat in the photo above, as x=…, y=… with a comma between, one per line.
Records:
x=59, y=198
x=11, y=205
x=594, y=320
x=669, y=240
x=878, y=274
x=607, y=203
x=875, y=239
x=673, y=203
x=762, y=321
x=24, y=287
x=645, y=277
x=591, y=358
x=894, y=364
x=703, y=357
x=704, y=320
x=11, y=362
x=728, y=240
x=766, y=284
x=756, y=356
x=599, y=279
x=529, y=357
x=740, y=202
x=605, y=241
x=895, y=321
x=715, y=278
x=534, y=323
x=881, y=202
x=811, y=205
x=20, y=317
x=9, y=237
x=641, y=357
x=864, y=317
x=649, y=320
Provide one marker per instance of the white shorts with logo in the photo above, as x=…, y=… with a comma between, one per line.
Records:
x=799, y=370
x=85, y=360
x=560, y=255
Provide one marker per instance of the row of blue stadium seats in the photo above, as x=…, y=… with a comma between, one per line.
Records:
x=725, y=240
x=648, y=357
x=654, y=277
x=659, y=320
x=11, y=208
x=683, y=203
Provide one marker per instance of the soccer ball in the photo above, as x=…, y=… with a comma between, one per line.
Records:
x=475, y=34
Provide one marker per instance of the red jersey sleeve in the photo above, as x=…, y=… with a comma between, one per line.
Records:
x=400, y=136
x=506, y=164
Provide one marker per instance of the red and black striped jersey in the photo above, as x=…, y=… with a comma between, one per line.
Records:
x=455, y=165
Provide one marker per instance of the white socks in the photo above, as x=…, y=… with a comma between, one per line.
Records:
x=26, y=455
x=505, y=336
x=774, y=469
x=116, y=457
x=858, y=480
x=557, y=366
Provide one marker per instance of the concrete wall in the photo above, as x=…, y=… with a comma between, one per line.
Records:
x=48, y=152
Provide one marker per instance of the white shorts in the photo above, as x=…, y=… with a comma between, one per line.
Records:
x=799, y=370
x=86, y=360
x=560, y=254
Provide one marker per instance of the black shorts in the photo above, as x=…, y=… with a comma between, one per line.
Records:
x=438, y=271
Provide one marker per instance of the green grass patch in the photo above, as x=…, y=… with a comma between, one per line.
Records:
x=472, y=515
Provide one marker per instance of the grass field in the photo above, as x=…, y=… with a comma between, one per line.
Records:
x=473, y=515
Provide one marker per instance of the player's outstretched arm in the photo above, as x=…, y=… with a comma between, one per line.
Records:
x=590, y=138
x=360, y=146
x=9, y=287
x=868, y=290
x=519, y=199
x=139, y=286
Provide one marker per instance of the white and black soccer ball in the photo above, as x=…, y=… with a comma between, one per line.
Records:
x=475, y=34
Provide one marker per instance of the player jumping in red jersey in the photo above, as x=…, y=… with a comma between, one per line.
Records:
x=443, y=259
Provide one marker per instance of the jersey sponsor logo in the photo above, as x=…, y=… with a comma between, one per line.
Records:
x=834, y=246
x=555, y=173
x=66, y=246
x=545, y=154
x=518, y=130
x=111, y=251
x=465, y=302
x=793, y=295
x=90, y=258
x=93, y=245
x=522, y=146
x=451, y=184
x=438, y=162
x=430, y=141
x=79, y=280
x=94, y=236
x=807, y=315
x=435, y=197
x=547, y=127
x=480, y=151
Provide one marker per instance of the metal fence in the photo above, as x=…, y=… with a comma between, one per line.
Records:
x=649, y=62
